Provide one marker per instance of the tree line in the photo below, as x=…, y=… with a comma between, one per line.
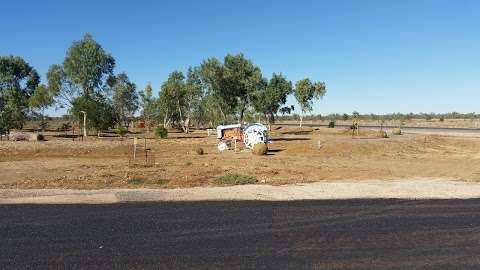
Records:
x=379, y=117
x=232, y=89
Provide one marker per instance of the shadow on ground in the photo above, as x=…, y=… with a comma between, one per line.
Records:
x=330, y=234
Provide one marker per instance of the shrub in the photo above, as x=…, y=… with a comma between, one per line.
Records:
x=121, y=131
x=331, y=124
x=160, y=182
x=442, y=119
x=229, y=179
x=135, y=180
x=161, y=132
x=41, y=137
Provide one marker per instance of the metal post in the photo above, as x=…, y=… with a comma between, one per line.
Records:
x=84, y=124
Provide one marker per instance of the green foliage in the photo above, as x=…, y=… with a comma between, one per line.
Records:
x=148, y=104
x=81, y=81
x=39, y=101
x=18, y=81
x=161, y=132
x=100, y=113
x=269, y=99
x=180, y=98
x=125, y=97
x=345, y=117
x=331, y=124
x=41, y=98
x=306, y=92
x=287, y=110
x=87, y=65
x=121, y=131
x=235, y=179
x=442, y=119
x=231, y=83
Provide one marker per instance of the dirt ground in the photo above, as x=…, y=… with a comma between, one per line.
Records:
x=295, y=156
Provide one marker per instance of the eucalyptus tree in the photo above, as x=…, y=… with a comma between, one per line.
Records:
x=18, y=82
x=306, y=92
x=82, y=80
x=125, y=98
x=40, y=101
x=85, y=71
x=148, y=105
x=270, y=99
x=231, y=83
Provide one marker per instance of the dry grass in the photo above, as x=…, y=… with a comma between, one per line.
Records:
x=293, y=157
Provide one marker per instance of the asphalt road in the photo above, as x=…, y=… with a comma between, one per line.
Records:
x=340, y=234
x=433, y=130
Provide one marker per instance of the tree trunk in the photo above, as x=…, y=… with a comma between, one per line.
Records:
x=271, y=120
x=301, y=119
x=242, y=112
x=182, y=122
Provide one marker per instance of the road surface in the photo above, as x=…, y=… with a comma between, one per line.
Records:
x=470, y=132
x=317, y=234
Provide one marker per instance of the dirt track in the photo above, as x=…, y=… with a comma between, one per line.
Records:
x=295, y=156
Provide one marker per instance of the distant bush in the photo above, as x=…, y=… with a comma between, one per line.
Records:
x=121, y=131
x=331, y=124
x=442, y=119
x=161, y=132
x=230, y=179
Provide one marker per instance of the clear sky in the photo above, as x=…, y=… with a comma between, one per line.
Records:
x=374, y=56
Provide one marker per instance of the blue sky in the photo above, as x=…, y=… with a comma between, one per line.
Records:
x=375, y=56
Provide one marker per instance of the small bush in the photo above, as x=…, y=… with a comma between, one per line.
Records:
x=121, y=131
x=41, y=137
x=161, y=132
x=442, y=119
x=188, y=163
x=160, y=182
x=230, y=179
x=135, y=180
x=331, y=124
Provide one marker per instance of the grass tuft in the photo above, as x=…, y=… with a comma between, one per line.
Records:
x=160, y=182
x=230, y=179
x=136, y=180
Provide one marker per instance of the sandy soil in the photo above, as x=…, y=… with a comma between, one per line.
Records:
x=325, y=190
x=295, y=156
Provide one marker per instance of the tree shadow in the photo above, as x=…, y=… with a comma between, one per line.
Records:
x=290, y=139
